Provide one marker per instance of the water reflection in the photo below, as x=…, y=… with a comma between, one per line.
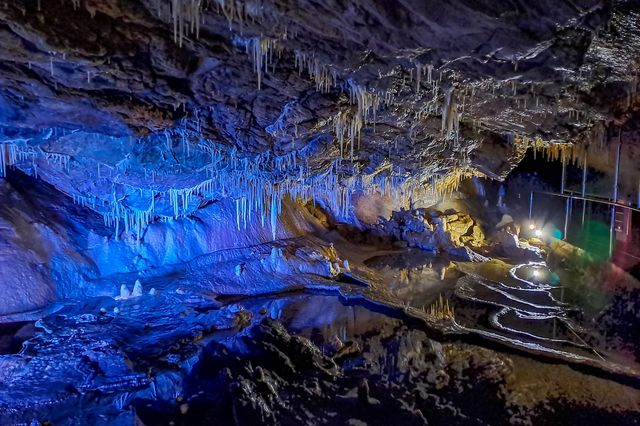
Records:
x=321, y=318
x=531, y=304
x=416, y=278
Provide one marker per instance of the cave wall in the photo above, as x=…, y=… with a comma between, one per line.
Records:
x=51, y=249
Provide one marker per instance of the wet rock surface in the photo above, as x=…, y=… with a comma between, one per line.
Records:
x=619, y=318
x=183, y=359
x=394, y=375
x=275, y=378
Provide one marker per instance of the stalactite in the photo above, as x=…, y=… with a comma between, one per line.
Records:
x=324, y=76
x=12, y=153
x=448, y=183
x=261, y=51
x=185, y=17
x=4, y=159
x=450, y=115
x=351, y=125
x=238, y=11
x=51, y=54
x=257, y=184
x=274, y=216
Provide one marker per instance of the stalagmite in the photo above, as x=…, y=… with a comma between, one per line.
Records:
x=137, y=289
x=239, y=269
x=124, y=292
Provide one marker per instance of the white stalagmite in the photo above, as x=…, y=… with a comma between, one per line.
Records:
x=137, y=289
x=124, y=292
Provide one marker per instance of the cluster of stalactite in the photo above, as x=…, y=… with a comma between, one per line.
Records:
x=259, y=183
x=13, y=153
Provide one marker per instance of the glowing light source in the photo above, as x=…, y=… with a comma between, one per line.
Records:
x=536, y=273
x=538, y=233
x=532, y=226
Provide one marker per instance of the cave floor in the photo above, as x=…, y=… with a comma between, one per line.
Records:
x=428, y=340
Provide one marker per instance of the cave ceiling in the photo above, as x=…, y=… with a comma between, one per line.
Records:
x=152, y=108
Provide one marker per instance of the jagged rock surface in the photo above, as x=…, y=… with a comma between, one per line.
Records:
x=433, y=230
